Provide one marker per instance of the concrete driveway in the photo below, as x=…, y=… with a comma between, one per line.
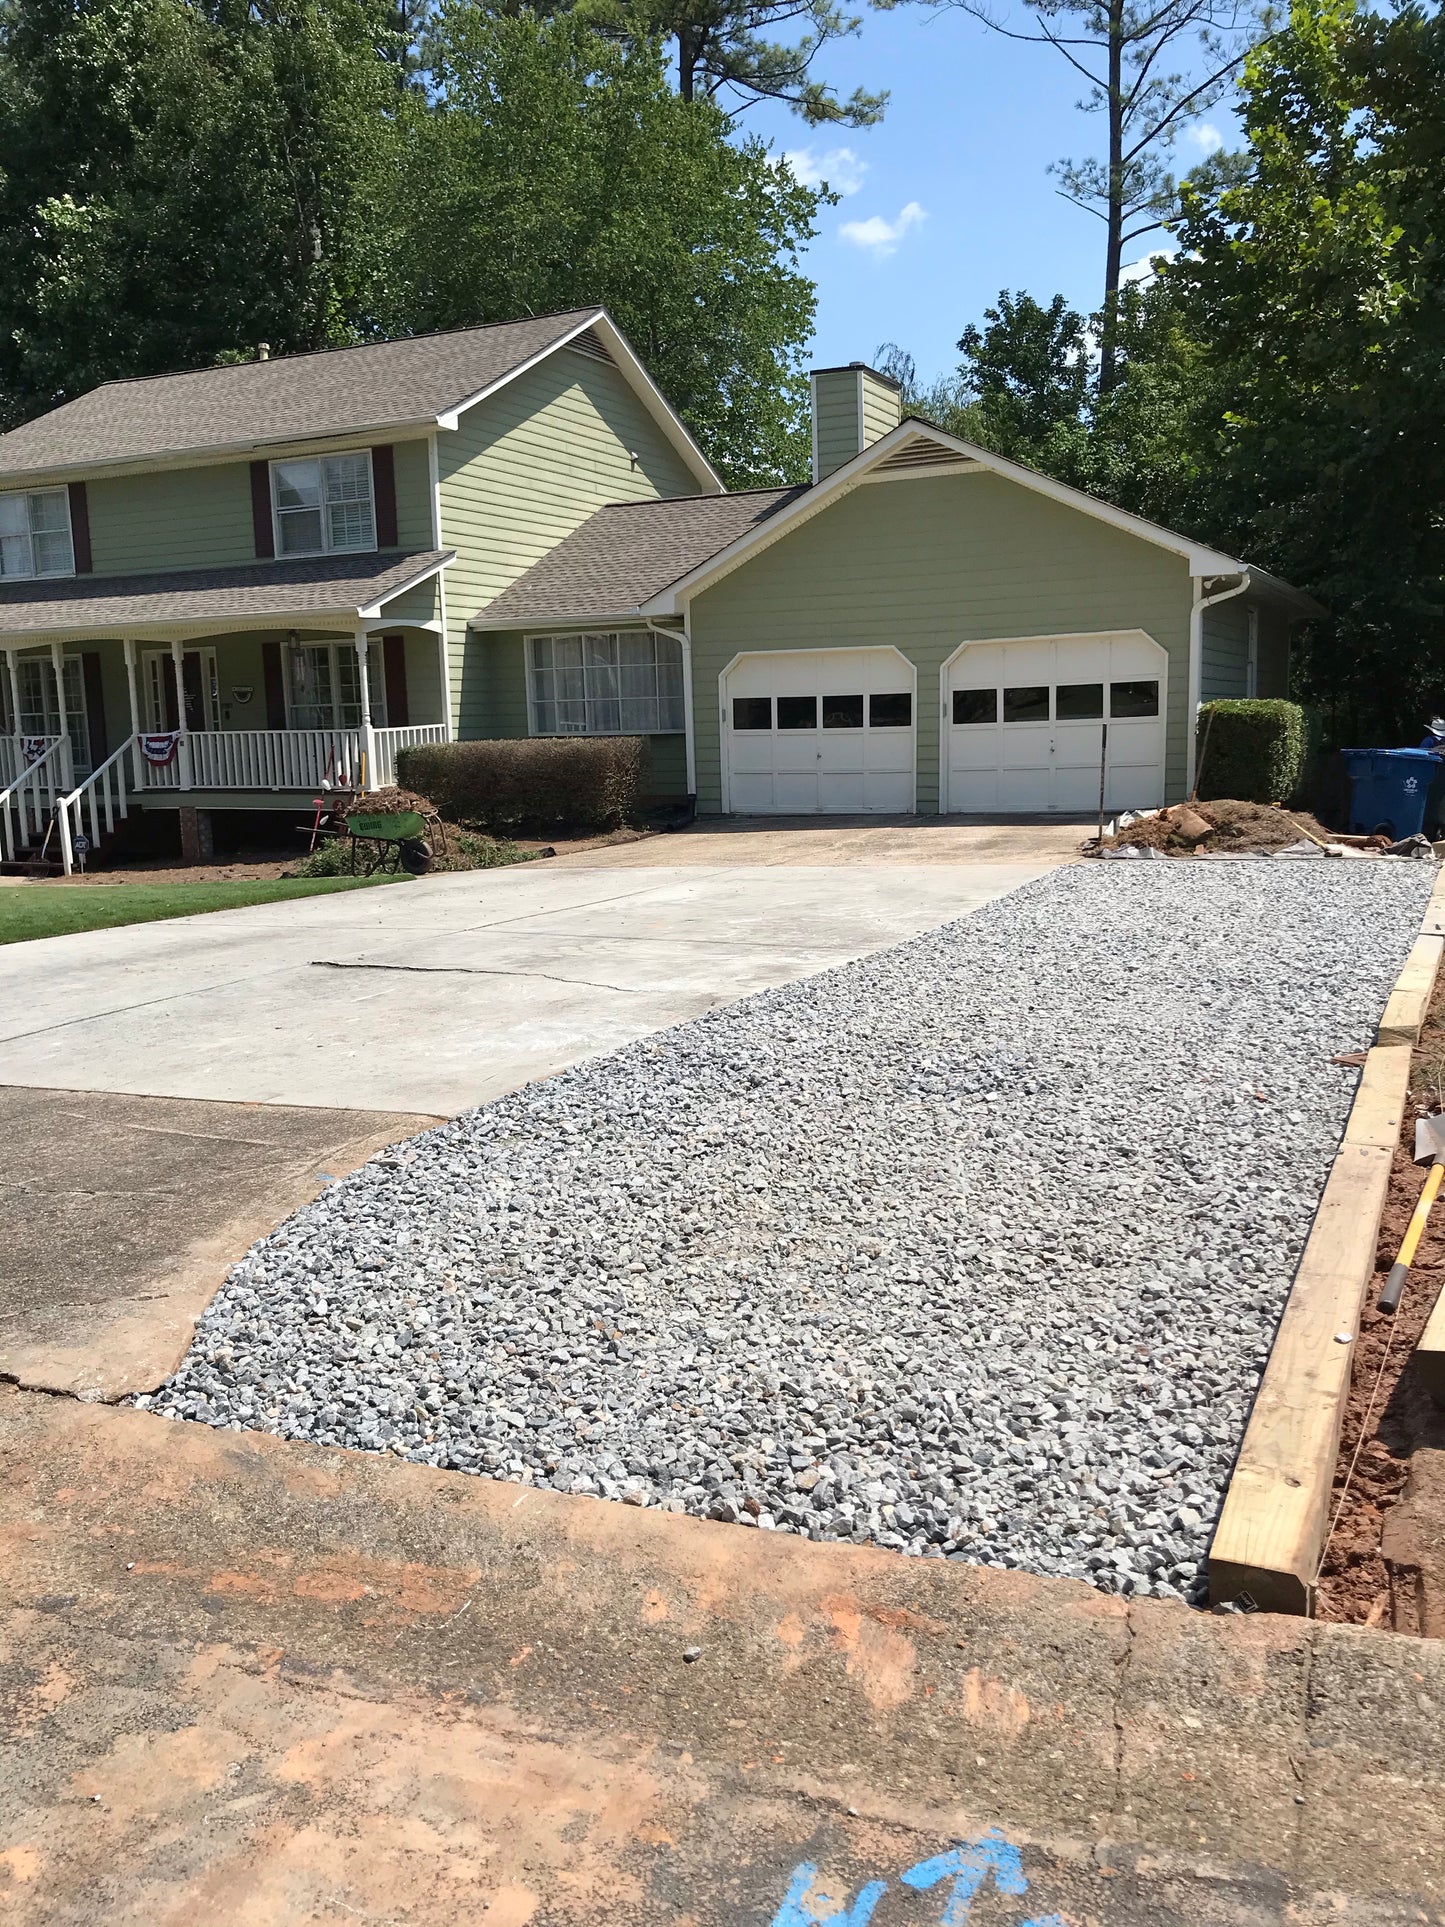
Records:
x=438, y=995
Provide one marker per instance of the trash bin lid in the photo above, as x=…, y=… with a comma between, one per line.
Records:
x=1409, y=755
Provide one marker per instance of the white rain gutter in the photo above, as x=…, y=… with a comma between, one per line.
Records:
x=689, y=741
x=1196, y=661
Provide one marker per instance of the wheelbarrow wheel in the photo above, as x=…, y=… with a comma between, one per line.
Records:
x=416, y=856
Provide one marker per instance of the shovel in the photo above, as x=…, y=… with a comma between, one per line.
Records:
x=1429, y=1143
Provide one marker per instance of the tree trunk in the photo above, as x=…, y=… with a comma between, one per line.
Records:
x=689, y=53
x=1114, y=216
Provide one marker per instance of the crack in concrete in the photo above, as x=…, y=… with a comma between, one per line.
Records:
x=480, y=970
x=1116, y=1707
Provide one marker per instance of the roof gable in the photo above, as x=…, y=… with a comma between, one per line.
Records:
x=378, y=388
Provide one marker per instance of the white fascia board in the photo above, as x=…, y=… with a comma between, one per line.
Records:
x=1201, y=561
x=378, y=603
x=642, y=383
x=552, y=625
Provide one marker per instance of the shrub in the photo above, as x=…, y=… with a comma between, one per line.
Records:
x=530, y=782
x=1252, y=750
x=331, y=858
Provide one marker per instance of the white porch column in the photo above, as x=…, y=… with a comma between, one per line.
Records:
x=368, y=734
x=136, y=763
x=67, y=759
x=183, y=753
x=14, y=681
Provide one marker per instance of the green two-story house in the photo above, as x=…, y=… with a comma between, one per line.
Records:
x=237, y=587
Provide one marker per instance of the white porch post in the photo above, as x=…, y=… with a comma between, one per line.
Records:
x=368, y=734
x=183, y=754
x=14, y=681
x=137, y=767
x=67, y=760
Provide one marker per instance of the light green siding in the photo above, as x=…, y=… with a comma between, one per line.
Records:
x=1224, y=652
x=836, y=429
x=526, y=467
x=925, y=564
x=880, y=407
x=420, y=604
x=413, y=496
x=497, y=664
x=181, y=518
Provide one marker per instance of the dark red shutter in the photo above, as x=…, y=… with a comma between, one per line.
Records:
x=261, y=528
x=393, y=650
x=80, y=528
x=273, y=677
x=383, y=485
x=94, y=703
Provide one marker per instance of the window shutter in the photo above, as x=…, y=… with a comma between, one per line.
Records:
x=94, y=699
x=394, y=658
x=274, y=679
x=80, y=528
x=383, y=483
x=261, y=529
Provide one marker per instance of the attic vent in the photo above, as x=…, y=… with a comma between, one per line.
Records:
x=589, y=342
x=922, y=452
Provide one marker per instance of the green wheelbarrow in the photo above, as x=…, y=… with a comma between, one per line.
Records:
x=383, y=845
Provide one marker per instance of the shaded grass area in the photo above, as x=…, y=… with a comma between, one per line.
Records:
x=57, y=910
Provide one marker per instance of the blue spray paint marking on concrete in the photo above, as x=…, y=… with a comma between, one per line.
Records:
x=1047, y=1920
x=802, y=1907
x=969, y=1867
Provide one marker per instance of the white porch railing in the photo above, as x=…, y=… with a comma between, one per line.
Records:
x=28, y=789
x=389, y=741
x=94, y=807
x=283, y=759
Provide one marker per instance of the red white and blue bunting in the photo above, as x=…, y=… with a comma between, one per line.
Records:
x=159, y=750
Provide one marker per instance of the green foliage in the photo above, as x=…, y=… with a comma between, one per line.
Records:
x=537, y=783
x=1252, y=751
x=183, y=179
x=38, y=910
x=464, y=851
x=555, y=168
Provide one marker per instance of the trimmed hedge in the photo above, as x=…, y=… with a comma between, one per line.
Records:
x=536, y=783
x=1252, y=750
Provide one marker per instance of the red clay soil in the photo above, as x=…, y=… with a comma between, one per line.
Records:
x=1398, y=1416
x=1237, y=829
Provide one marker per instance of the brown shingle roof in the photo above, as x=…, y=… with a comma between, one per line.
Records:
x=338, y=391
x=322, y=584
x=627, y=553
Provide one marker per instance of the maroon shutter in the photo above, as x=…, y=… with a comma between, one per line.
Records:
x=80, y=528
x=393, y=650
x=273, y=678
x=94, y=704
x=261, y=529
x=383, y=486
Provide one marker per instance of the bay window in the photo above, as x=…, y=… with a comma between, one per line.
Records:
x=35, y=533
x=616, y=684
x=324, y=504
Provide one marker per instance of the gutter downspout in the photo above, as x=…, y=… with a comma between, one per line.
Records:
x=1196, y=661
x=689, y=737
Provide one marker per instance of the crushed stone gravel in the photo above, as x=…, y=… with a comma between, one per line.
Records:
x=973, y=1248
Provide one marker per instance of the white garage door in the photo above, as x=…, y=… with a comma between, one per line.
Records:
x=1023, y=723
x=813, y=731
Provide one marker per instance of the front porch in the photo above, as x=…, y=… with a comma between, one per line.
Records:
x=94, y=729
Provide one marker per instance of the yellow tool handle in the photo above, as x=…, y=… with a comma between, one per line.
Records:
x=1416, y=1227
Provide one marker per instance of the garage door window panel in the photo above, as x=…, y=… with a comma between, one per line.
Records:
x=842, y=712
x=626, y=684
x=1133, y=699
x=752, y=712
x=891, y=711
x=797, y=712
x=1028, y=703
x=1079, y=702
x=972, y=707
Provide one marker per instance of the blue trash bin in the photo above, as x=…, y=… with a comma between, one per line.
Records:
x=1389, y=789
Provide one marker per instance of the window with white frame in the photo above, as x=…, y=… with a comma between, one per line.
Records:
x=324, y=685
x=323, y=504
x=624, y=684
x=35, y=533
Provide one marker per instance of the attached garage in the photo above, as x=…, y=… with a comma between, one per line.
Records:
x=1023, y=723
x=818, y=732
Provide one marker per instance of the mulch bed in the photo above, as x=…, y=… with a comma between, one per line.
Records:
x=1354, y=1583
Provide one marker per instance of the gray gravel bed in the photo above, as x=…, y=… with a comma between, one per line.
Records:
x=973, y=1248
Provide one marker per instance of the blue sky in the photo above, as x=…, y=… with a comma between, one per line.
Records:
x=949, y=197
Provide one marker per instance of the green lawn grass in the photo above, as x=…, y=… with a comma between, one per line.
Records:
x=55, y=910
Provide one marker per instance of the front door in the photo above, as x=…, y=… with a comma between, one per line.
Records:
x=198, y=683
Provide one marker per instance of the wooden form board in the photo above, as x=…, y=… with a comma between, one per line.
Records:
x=1271, y=1533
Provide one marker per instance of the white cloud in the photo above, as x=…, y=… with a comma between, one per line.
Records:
x=881, y=237
x=840, y=168
x=1204, y=135
x=1143, y=269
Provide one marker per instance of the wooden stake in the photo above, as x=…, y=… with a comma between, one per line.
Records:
x=1103, y=759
